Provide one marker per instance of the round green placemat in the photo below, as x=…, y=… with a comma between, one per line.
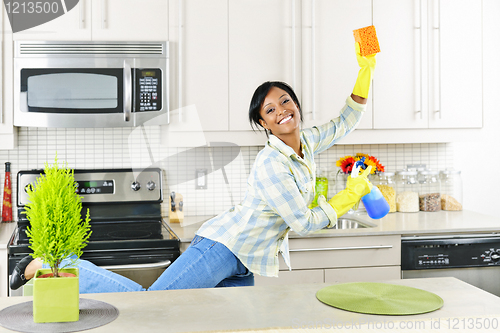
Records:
x=379, y=298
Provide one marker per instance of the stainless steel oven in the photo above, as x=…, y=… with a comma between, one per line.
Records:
x=473, y=258
x=90, y=84
x=128, y=236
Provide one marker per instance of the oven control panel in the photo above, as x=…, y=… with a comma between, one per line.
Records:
x=491, y=256
x=453, y=252
x=433, y=260
x=102, y=186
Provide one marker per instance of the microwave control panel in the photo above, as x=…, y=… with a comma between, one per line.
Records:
x=148, y=89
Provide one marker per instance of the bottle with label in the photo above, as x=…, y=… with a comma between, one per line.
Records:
x=7, y=196
x=321, y=186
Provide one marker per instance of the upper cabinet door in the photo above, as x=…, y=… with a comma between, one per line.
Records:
x=7, y=131
x=199, y=65
x=456, y=80
x=430, y=72
x=130, y=20
x=263, y=46
x=329, y=65
x=75, y=24
x=400, y=89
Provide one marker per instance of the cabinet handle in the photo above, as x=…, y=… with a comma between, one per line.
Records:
x=437, y=56
x=179, y=55
x=82, y=14
x=103, y=14
x=313, y=58
x=343, y=248
x=161, y=264
x=419, y=55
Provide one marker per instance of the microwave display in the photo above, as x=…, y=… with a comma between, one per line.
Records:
x=148, y=88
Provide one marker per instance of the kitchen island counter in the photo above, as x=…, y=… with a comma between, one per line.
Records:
x=285, y=308
x=404, y=224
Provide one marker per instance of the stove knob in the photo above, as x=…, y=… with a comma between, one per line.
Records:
x=151, y=185
x=28, y=186
x=136, y=186
x=495, y=256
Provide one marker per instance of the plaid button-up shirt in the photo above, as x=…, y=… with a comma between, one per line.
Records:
x=280, y=189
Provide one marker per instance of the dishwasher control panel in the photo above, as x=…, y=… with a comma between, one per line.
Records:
x=452, y=252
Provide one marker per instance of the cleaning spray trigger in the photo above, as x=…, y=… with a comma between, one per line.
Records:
x=357, y=167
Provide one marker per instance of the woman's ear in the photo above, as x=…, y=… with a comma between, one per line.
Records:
x=263, y=123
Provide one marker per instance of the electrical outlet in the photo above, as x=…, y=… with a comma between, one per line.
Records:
x=201, y=179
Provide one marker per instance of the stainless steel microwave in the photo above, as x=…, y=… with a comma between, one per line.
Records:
x=90, y=84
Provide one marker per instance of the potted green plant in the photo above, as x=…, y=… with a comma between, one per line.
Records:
x=56, y=232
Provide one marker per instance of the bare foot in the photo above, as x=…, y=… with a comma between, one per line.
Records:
x=31, y=269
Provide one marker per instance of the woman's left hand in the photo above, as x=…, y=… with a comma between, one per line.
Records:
x=367, y=64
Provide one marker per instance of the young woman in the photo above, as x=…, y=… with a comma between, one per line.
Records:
x=247, y=238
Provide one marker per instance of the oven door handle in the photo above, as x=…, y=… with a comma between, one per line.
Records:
x=161, y=264
x=127, y=91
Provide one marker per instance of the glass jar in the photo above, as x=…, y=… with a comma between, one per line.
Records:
x=386, y=184
x=430, y=191
x=451, y=190
x=406, y=192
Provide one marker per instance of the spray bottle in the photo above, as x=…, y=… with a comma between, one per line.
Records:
x=375, y=203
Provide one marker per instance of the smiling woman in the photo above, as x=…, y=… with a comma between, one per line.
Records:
x=247, y=238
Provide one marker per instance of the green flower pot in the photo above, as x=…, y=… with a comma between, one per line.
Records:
x=56, y=299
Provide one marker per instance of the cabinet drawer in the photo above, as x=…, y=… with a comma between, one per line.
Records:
x=292, y=277
x=336, y=252
x=341, y=275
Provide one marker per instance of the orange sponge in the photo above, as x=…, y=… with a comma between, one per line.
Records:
x=367, y=39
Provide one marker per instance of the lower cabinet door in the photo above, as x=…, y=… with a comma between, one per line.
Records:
x=292, y=277
x=362, y=274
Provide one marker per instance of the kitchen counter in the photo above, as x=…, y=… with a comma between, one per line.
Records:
x=286, y=308
x=404, y=224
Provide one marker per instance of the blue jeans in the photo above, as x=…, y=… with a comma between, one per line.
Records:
x=205, y=264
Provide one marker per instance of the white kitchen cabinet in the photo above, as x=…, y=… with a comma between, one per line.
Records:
x=130, y=20
x=73, y=25
x=340, y=259
x=457, y=75
x=263, y=46
x=362, y=274
x=292, y=277
x=199, y=86
x=329, y=65
x=106, y=20
x=429, y=73
x=8, y=137
x=308, y=44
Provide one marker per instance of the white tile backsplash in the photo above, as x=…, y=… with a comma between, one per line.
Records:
x=142, y=147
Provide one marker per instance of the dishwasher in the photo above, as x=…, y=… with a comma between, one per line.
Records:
x=472, y=258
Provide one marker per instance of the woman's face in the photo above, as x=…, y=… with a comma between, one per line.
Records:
x=279, y=113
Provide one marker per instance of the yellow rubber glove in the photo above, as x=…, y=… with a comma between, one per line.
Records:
x=367, y=64
x=355, y=189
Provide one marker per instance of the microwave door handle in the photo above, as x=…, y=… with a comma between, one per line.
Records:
x=127, y=91
x=24, y=101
